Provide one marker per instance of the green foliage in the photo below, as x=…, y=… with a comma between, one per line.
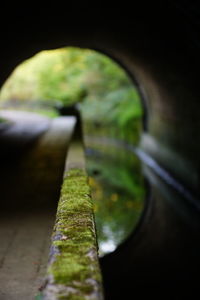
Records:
x=69, y=75
x=120, y=107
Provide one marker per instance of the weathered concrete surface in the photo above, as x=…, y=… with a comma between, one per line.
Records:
x=37, y=169
x=19, y=130
x=24, y=248
x=30, y=185
x=74, y=271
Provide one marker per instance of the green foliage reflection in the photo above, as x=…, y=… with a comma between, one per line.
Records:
x=118, y=192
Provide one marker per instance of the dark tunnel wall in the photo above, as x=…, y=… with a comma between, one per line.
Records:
x=157, y=43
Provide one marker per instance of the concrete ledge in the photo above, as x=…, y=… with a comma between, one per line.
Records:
x=73, y=271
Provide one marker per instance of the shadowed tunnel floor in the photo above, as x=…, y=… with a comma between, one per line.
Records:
x=33, y=151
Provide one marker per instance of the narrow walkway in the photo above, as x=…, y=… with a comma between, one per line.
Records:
x=30, y=184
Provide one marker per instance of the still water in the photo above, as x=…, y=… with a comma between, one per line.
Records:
x=163, y=253
x=118, y=192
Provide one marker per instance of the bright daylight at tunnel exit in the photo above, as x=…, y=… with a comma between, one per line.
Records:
x=61, y=108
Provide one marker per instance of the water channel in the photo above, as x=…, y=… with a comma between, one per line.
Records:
x=147, y=223
x=118, y=190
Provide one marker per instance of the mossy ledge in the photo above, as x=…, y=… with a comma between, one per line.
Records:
x=73, y=271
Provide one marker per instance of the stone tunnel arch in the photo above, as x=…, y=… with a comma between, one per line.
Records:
x=162, y=74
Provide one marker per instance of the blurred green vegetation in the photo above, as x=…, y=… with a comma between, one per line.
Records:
x=62, y=77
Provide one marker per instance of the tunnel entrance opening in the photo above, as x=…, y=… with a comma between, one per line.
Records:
x=164, y=247
x=75, y=81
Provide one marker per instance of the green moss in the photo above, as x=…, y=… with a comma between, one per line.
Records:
x=76, y=262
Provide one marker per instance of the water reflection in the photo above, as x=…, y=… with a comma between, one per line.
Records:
x=118, y=191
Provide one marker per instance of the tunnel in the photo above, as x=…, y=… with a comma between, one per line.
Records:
x=158, y=45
